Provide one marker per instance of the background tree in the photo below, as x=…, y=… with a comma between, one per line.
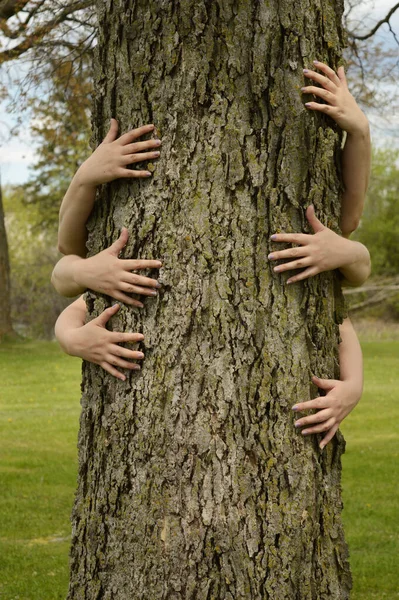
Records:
x=6, y=328
x=192, y=480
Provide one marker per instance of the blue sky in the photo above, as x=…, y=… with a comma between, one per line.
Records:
x=17, y=153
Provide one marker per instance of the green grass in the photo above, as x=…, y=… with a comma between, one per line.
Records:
x=370, y=477
x=39, y=411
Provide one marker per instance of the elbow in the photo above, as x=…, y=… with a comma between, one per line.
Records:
x=349, y=226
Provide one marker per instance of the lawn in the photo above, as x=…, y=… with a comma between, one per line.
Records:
x=39, y=412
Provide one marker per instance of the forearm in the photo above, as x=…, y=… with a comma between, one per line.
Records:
x=64, y=277
x=358, y=269
x=350, y=355
x=356, y=160
x=72, y=318
x=75, y=210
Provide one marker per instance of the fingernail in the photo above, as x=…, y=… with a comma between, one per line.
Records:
x=289, y=281
x=137, y=367
x=158, y=285
x=303, y=89
x=297, y=423
x=140, y=306
x=158, y=142
x=271, y=256
x=277, y=269
x=141, y=337
x=315, y=62
x=295, y=407
x=140, y=355
x=122, y=378
x=305, y=432
x=148, y=174
x=153, y=292
x=321, y=447
x=307, y=104
x=306, y=70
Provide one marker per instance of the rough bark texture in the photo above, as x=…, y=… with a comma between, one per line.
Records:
x=5, y=298
x=193, y=482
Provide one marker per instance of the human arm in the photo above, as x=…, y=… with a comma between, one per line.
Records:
x=93, y=342
x=341, y=395
x=108, y=162
x=321, y=251
x=105, y=273
x=356, y=156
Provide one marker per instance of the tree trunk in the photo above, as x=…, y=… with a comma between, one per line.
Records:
x=5, y=298
x=193, y=482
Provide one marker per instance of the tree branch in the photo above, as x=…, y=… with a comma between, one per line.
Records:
x=376, y=27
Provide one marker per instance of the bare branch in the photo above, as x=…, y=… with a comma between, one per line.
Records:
x=9, y=8
x=376, y=27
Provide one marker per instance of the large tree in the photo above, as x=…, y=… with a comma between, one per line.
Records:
x=6, y=328
x=193, y=482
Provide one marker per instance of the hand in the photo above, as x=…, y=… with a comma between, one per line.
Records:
x=340, y=400
x=341, y=105
x=110, y=275
x=96, y=344
x=322, y=251
x=110, y=160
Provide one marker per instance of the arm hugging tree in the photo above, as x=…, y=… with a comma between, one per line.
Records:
x=192, y=480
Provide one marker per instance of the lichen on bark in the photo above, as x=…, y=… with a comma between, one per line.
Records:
x=193, y=483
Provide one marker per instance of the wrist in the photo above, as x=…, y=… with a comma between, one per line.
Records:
x=83, y=180
x=361, y=130
x=78, y=273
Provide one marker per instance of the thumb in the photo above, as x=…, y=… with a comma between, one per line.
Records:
x=105, y=316
x=341, y=75
x=112, y=132
x=314, y=222
x=324, y=384
x=120, y=243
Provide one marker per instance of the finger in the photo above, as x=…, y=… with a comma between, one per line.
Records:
x=313, y=221
x=123, y=364
x=324, y=108
x=321, y=79
x=325, y=384
x=119, y=337
x=126, y=353
x=133, y=134
x=131, y=159
x=288, y=253
x=329, y=436
x=133, y=279
x=132, y=174
x=319, y=428
x=113, y=371
x=320, y=417
x=320, y=93
x=315, y=404
x=331, y=74
x=141, y=263
x=294, y=264
x=105, y=316
x=342, y=76
x=141, y=146
x=120, y=243
x=310, y=272
x=136, y=289
x=291, y=238
x=127, y=300
x=112, y=132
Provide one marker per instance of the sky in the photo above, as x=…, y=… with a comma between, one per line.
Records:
x=17, y=154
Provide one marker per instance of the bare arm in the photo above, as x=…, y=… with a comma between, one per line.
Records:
x=93, y=342
x=356, y=156
x=108, y=162
x=341, y=395
x=324, y=250
x=106, y=273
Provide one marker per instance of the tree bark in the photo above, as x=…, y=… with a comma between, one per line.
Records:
x=193, y=482
x=6, y=328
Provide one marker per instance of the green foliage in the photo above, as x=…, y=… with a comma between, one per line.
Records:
x=61, y=124
x=379, y=228
x=35, y=305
